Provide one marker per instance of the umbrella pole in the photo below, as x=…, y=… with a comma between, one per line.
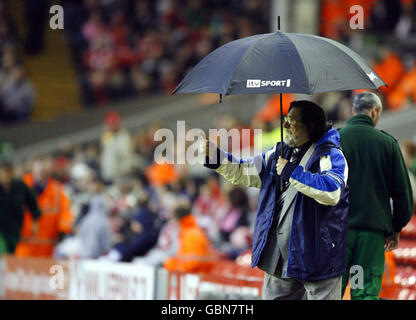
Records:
x=281, y=118
x=281, y=138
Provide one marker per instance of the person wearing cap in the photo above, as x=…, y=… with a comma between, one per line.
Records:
x=116, y=146
x=380, y=194
x=14, y=196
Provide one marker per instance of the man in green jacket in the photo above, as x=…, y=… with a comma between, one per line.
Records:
x=380, y=195
x=14, y=197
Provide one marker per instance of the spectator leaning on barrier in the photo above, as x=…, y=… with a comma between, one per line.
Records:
x=14, y=195
x=377, y=174
x=145, y=227
x=167, y=245
x=300, y=233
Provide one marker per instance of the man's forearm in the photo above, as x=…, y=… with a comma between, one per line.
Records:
x=236, y=171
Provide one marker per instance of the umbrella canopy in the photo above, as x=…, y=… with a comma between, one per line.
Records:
x=280, y=62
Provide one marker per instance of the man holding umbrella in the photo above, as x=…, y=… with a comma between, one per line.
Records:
x=378, y=174
x=301, y=229
x=315, y=243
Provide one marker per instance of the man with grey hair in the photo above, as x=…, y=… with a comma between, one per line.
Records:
x=368, y=103
x=380, y=194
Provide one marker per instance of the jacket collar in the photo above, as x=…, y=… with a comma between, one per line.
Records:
x=331, y=136
x=362, y=119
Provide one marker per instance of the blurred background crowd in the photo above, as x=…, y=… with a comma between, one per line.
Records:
x=118, y=204
x=16, y=91
x=115, y=203
x=123, y=48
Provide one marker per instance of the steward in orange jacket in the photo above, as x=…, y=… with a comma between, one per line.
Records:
x=389, y=270
x=56, y=218
x=194, y=253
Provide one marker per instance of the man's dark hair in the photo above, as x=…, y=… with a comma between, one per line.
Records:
x=313, y=117
x=364, y=102
x=181, y=211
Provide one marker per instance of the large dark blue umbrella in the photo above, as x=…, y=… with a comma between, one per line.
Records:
x=280, y=62
x=277, y=63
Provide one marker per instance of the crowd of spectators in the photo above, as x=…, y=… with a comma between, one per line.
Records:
x=126, y=47
x=16, y=91
x=123, y=204
x=130, y=47
x=123, y=48
x=387, y=41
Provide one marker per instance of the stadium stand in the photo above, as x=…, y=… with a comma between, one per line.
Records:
x=129, y=48
x=17, y=97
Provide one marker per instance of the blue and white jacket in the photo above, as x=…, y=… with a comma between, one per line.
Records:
x=318, y=237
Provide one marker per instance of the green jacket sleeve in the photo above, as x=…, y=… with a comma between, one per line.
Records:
x=31, y=202
x=400, y=191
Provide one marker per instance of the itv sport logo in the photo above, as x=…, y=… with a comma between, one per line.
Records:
x=257, y=83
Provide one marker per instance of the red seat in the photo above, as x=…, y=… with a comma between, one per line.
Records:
x=409, y=231
x=406, y=253
x=405, y=277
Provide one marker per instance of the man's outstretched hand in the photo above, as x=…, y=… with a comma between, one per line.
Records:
x=207, y=147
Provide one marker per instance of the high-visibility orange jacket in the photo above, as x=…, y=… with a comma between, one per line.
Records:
x=389, y=270
x=56, y=218
x=161, y=174
x=391, y=69
x=194, y=253
x=405, y=88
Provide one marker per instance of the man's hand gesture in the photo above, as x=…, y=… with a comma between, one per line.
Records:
x=207, y=147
